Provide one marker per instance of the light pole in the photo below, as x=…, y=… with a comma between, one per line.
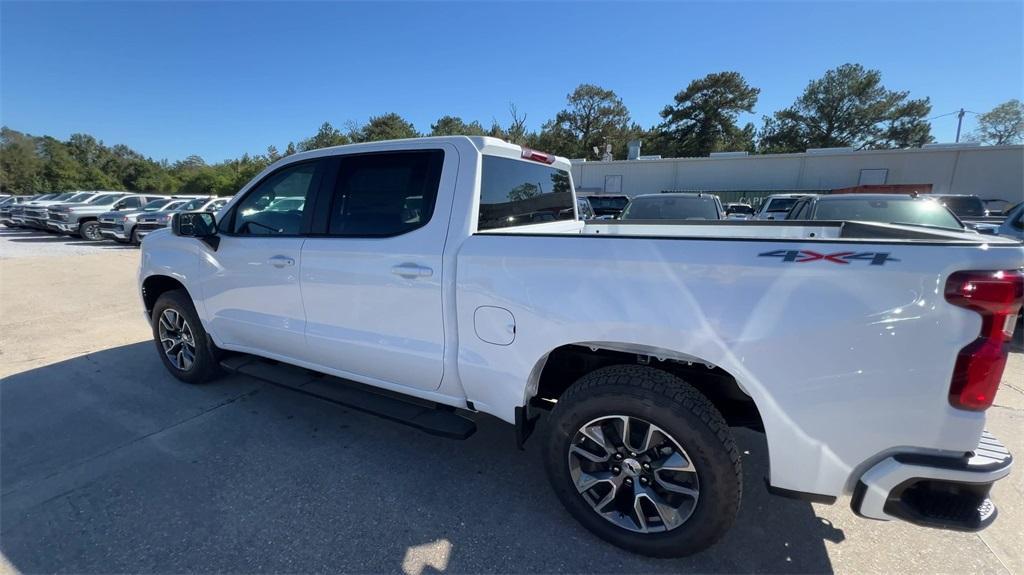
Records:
x=959, y=122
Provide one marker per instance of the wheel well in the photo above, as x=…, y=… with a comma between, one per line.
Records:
x=87, y=219
x=565, y=365
x=155, y=286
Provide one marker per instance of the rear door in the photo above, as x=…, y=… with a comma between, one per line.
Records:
x=371, y=280
x=250, y=282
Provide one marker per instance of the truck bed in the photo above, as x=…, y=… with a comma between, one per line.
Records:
x=843, y=231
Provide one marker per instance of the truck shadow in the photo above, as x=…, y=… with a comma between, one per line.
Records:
x=107, y=464
x=27, y=236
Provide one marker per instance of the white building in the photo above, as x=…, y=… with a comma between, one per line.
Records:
x=991, y=172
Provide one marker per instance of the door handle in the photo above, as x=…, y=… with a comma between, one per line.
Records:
x=412, y=271
x=281, y=261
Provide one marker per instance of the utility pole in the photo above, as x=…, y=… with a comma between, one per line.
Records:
x=959, y=122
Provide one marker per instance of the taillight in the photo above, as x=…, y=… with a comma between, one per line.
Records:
x=997, y=296
x=536, y=156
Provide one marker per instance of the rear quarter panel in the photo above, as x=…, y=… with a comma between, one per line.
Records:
x=846, y=362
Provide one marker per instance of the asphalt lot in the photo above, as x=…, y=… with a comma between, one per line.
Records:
x=109, y=465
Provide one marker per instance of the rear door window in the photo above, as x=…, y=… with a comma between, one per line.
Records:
x=384, y=194
x=519, y=192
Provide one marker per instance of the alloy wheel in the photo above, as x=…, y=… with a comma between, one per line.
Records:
x=176, y=339
x=633, y=474
x=91, y=231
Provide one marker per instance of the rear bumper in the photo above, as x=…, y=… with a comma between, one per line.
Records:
x=935, y=491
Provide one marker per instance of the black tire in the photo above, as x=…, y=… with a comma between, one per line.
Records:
x=90, y=231
x=136, y=240
x=662, y=399
x=205, y=364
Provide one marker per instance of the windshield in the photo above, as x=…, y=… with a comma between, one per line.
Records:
x=780, y=204
x=739, y=209
x=62, y=197
x=672, y=208
x=965, y=206
x=104, y=199
x=891, y=211
x=192, y=204
x=79, y=197
x=610, y=203
x=155, y=205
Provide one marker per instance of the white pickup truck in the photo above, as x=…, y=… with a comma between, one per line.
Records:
x=430, y=281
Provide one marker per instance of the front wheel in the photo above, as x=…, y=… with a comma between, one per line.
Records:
x=645, y=461
x=90, y=231
x=184, y=346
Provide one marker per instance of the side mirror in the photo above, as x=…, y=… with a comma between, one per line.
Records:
x=199, y=225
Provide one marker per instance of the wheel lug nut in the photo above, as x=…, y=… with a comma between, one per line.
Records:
x=643, y=480
x=629, y=481
x=647, y=466
x=616, y=469
x=632, y=454
x=618, y=456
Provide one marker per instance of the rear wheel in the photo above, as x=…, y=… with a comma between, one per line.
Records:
x=136, y=240
x=184, y=346
x=90, y=231
x=644, y=461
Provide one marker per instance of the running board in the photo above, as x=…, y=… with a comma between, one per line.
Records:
x=427, y=416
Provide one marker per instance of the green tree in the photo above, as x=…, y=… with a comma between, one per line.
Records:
x=594, y=116
x=326, y=137
x=703, y=117
x=389, y=126
x=455, y=126
x=1002, y=125
x=848, y=107
x=21, y=168
x=523, y=191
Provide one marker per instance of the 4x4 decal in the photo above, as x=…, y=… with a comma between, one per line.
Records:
x=803, y=256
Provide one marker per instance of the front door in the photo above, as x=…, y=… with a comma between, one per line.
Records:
x=372, y=283
x=250, y=283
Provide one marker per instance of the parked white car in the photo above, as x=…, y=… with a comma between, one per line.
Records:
x=867, y=353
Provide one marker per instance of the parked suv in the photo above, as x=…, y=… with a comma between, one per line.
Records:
x=157, y=220
x=119, y=225
x=81, y=219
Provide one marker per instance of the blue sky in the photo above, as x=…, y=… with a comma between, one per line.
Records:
x=220, y=79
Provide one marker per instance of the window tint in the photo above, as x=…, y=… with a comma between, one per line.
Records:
x=799, y=211
x=780, y=204
x=896, y=210
x=965, y=206
x=128, y=203
x=385, y=194
x=672, y=208
x=104, y=200
x=263, y=212
x=217, y=205
x=519, y=193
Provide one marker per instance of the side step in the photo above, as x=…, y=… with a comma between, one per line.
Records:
x=427, y=416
